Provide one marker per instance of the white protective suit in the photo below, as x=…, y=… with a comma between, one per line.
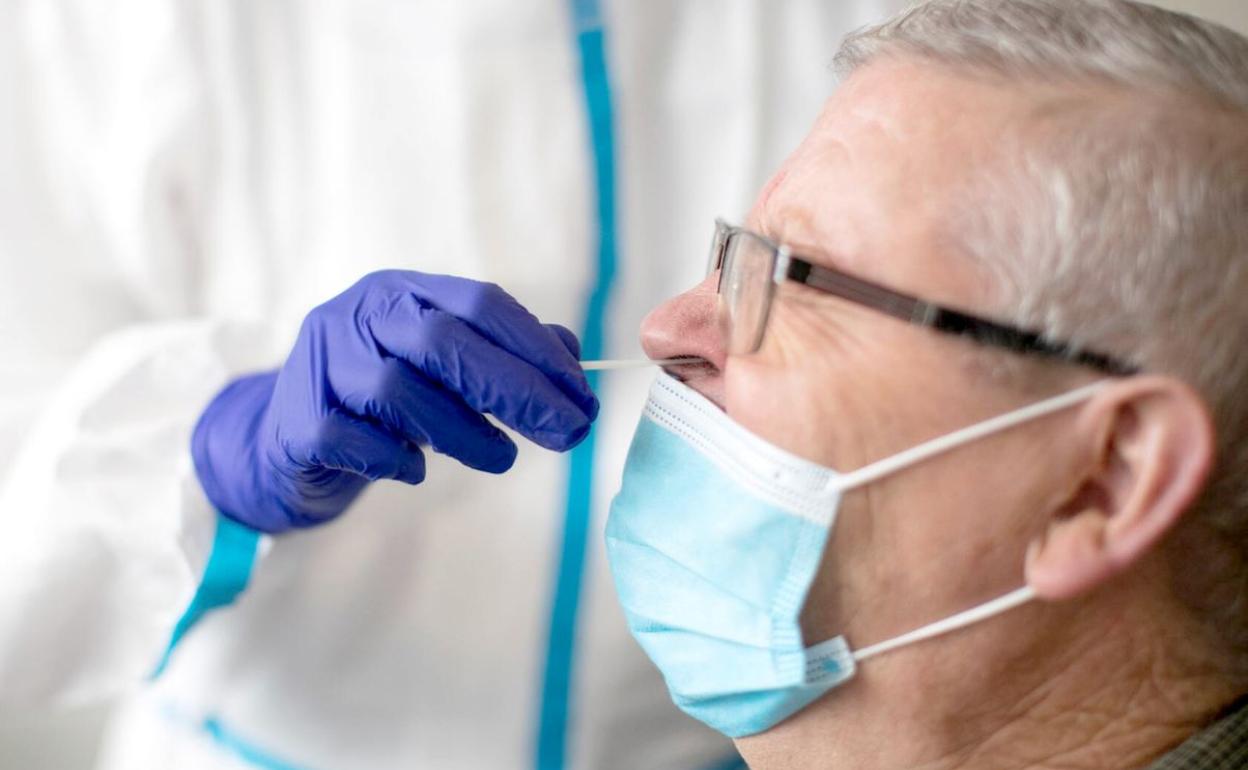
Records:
x=180, y=182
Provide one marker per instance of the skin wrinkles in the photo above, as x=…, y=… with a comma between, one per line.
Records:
x=1043, y=709
x=1096, y=720
x=1104, y=674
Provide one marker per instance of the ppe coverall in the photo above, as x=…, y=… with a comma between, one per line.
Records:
x=183, y=181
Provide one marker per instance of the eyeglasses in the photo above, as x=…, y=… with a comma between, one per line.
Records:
x=752, y=266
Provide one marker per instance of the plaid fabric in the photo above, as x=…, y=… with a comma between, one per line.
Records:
x=1221, y=746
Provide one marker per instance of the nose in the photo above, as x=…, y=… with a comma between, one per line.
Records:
x=686, y=326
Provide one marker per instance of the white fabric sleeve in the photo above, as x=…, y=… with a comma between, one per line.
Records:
x=106, y=356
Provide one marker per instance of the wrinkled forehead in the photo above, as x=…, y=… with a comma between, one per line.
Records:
x=875, y=182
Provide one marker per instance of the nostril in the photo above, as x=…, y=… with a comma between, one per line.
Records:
x=694, y=368
x=687, y=327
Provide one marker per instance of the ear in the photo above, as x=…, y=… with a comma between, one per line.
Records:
x=1147, y=445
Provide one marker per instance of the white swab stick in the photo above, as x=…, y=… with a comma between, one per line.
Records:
x=605, y=366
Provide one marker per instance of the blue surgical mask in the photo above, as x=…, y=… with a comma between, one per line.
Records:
x=713, y=541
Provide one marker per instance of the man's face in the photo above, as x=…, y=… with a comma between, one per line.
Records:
x=870, y=191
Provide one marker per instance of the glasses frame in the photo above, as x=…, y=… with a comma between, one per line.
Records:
x=787, y=266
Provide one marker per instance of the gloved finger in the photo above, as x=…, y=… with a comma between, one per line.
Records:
x=345, y=443
x=488, y=378
x=568, y=338
x=498, y=317
x=422, y=412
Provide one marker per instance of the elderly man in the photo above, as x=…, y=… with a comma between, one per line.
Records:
x=999, y=288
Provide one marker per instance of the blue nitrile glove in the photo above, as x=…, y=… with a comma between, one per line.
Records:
x=400, y=361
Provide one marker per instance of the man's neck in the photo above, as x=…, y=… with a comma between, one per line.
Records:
x=1099, y=708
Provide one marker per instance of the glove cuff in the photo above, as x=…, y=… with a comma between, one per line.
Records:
x=223, y=451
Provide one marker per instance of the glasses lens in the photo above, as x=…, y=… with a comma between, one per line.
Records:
x=745, y=292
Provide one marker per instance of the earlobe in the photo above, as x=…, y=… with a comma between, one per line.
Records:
x=1149, y=443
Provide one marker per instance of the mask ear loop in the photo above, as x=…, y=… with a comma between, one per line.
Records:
x=961, y=620
x=902, y=460
x=915, y=455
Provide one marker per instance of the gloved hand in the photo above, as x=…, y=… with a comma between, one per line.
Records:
x=400, y=361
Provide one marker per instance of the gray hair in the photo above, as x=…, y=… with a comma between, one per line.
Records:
x=1117, y=216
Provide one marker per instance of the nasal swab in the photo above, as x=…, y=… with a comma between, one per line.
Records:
x=603, y=366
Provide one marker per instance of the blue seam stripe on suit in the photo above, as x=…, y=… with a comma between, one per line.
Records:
x=552, y=729
x=243, y=749
x=225, y=577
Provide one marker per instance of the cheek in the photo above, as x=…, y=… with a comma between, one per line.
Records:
x=809, y=388
x=793, y=400
x=756, y=395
